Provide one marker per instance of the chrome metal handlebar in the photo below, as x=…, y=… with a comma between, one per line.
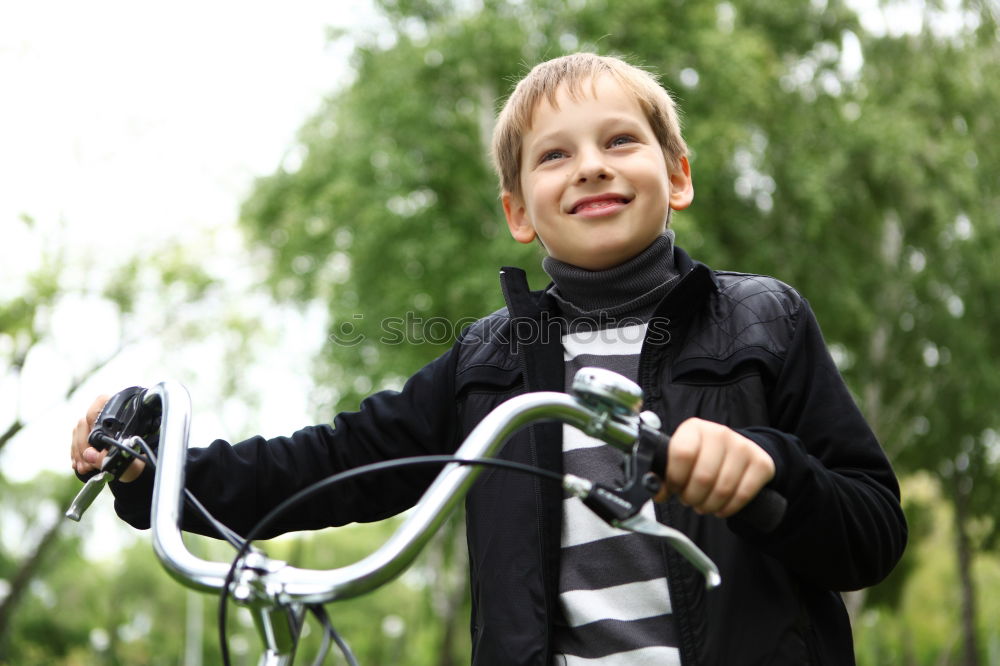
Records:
x=168, y=495
x=598, y=415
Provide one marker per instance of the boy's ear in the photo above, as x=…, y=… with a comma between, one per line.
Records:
x=681, y=185
x=517, y=218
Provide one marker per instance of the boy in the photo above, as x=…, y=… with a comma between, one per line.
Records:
x=591, y=162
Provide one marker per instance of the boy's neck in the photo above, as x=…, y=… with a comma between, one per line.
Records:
x=624, y=289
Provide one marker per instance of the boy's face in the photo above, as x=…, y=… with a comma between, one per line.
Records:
x=594, y=180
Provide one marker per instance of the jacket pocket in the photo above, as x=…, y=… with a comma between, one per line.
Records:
x=709, y=370
x=733, y=392
x=480, y=389
x=488, y=379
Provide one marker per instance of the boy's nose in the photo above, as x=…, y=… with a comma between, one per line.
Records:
x=592, y=166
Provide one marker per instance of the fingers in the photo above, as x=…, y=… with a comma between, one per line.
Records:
x=132, y=472
x=95, y=409
x=714, y=469
x=86, y=458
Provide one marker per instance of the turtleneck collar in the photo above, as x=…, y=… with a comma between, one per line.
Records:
x=627, y=288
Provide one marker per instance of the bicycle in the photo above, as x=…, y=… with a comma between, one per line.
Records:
x=604, y=405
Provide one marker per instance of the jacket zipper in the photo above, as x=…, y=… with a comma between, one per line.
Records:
x=533, y=452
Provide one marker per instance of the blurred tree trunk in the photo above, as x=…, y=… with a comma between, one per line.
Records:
x=22, y=578
x=15, y=427
x=964, y=548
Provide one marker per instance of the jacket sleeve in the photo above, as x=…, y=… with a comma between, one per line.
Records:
x=844, y=528
x=239, y=483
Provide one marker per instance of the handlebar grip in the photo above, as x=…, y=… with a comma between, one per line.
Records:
x=660, y=443
x=764, y=512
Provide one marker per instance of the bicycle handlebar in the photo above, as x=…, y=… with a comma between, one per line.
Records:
x=605, y=407
x=291, y=584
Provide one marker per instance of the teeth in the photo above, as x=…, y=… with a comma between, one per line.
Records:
x=602, y=203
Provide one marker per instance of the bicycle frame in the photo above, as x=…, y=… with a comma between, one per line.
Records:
x=276, y=592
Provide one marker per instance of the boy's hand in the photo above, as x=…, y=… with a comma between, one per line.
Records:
x=86, y=458
x=714, y=469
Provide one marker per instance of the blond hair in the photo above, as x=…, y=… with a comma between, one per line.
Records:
x=574, y=70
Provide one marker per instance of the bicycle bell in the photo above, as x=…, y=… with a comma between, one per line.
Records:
x=607, y=391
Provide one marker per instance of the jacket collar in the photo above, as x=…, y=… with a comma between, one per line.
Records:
x=696, y=283
x=521, y=301
x=697, y=280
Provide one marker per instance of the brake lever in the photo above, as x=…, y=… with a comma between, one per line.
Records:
x=621, y=507
x=681, y=543
x=91, y=489
x=116, y=462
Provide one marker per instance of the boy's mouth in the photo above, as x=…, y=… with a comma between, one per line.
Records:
x=601, y=203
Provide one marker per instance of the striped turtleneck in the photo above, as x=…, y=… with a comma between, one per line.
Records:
x=612, y=584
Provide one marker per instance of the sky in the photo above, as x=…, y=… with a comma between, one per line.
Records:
x=130, y=115
x=125, y=125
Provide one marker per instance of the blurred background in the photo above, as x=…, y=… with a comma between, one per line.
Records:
x=227, y=193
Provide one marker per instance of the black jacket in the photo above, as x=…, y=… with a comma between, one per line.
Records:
x=742, y=350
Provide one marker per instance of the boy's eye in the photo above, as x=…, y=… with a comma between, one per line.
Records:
x=551, y=155
x=621, y=140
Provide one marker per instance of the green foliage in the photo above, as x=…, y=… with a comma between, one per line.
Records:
x=32, y=510
x=392, y=216
x=127, y=610
x=870, y=185
x=923, y=517
x=919, y=625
